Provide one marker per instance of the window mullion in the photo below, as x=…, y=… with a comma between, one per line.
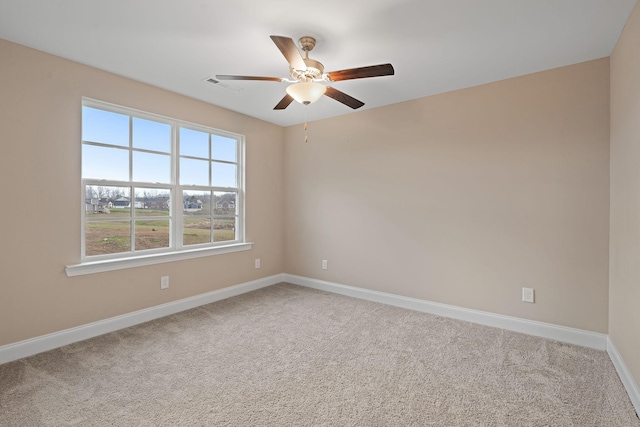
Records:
x=212, y=196
x=132, y=194
x=132, y=223
x=240, y=176
x=212, y=204
x=210, y=162
x=176, y=205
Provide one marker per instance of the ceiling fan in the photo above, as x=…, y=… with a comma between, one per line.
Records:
x=306, y=73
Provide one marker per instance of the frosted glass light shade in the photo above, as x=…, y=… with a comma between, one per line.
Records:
x=306, y=92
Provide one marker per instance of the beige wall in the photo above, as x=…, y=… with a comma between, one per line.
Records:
x=624, y=278
x=40, y=111
x=463, y=198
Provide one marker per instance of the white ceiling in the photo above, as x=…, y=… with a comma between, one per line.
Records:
x=434, y=45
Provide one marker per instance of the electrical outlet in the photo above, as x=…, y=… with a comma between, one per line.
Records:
x=164, y=282
x=257, y=263
x=527, y=295
x=324, y=264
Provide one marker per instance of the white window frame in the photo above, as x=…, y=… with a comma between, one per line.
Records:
x=176, y=250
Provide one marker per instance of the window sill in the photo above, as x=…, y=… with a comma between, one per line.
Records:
x=92, y=267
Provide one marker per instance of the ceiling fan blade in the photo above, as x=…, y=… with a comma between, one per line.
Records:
x=361, y=72
x=288, y=48
x=284, y=102
x=347, y=100
x=266, y=79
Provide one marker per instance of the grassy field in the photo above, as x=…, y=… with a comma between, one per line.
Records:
x=108, y=237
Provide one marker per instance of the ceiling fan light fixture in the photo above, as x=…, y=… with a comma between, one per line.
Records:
x=306, y=92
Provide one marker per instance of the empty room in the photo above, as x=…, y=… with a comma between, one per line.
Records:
x=390, y=213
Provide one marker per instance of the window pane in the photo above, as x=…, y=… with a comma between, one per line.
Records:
x=223, y=174
x=151, y=135
x=149, y=167
x=152, y=234
x=194, y=143
x=223, y=148
x=194, y=172
x=105, y=127
x=105, y=163
x=107, y=237
x=196, y=230
x=152, y=201
x=224, y=229
x=225, y=203
x=107, y=200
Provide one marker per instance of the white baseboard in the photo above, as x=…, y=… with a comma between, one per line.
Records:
x=58, y=339
x=531, y=327
x=625, y=375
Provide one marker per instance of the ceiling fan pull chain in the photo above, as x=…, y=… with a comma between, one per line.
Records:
x=306, y=139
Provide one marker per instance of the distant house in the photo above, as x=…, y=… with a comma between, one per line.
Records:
x=95, y=206
x=192, y=204
x=121, y=202
x=225, y=206
x=125, y=202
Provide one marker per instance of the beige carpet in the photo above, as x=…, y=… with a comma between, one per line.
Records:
x=291, y=356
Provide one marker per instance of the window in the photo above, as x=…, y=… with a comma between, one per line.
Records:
x=155, y=185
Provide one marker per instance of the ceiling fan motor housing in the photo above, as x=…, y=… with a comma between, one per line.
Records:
x=314, y=71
